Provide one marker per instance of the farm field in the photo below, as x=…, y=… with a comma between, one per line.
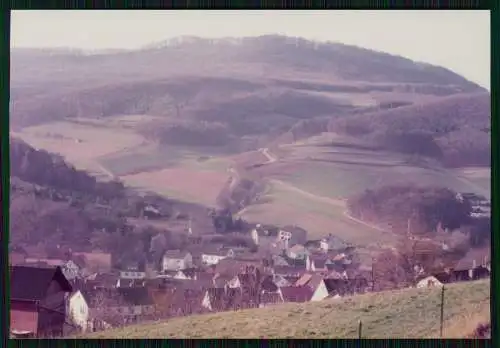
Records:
x=184, y=183
x=150, y=157
x=340, y=172
x=479, y=176
x=283, y=205
x=110, y=148
x=79, y=144
x=408, y=313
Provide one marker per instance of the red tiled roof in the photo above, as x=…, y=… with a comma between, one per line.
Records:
x=296, y=293
x=311, y=280
x=291, y=279
x=289, y=270
x=303, y=280
x=345, y=286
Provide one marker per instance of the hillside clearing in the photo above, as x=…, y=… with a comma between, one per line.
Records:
x=282, y=205
x=188, y=184
x=340, y=172
x=409, y=313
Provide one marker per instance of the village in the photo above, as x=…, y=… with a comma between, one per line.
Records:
x=70, y=291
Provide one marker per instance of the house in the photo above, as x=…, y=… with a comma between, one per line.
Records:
x=176, y=260
x=234, y=266
x=132, y=274
x=332, y=243
x=102, y=280
x=285, y=271
x=151, y=212
x=119, y=305
x=130, y=283
x=317, y=263
x=189, y=273
x=78, y=310
x=297, y=252
x=278, y=260
x=345, y=287
x=317, y=285
x=281, y=281
x=480, y=272
x=136, y=301
x=291, y=235
x=296, y=293
x=254, y=234
x=214, y=257
x=38, y=300
x=428, y=282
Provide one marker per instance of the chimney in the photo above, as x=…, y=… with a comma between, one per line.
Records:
x=473, y=264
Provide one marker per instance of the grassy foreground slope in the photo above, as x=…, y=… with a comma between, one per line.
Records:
x=410, y=313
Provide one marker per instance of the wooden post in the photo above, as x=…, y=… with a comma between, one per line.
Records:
x=442, y=313
x=360, y=326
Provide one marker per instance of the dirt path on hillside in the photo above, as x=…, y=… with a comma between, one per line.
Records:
x=327, y=200
x=271, y=158
x=104, y=170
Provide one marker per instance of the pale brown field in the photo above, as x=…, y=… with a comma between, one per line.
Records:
x=284, y=205
x=77, y=141
x=197, y=186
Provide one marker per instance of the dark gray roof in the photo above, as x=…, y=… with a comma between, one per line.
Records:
x=31, y=283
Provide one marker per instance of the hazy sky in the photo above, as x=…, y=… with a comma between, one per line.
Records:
x=457, y=40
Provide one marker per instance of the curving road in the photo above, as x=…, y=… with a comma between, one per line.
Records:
x=271, y=158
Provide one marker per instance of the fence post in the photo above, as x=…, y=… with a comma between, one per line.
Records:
x=360, y=326
x=442, y=313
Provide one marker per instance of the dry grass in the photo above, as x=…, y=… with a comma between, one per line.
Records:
x=282, y=205
x=93, y=141
x=197, y=186
x=479, y=176
x=409, y=313
x=340, y=172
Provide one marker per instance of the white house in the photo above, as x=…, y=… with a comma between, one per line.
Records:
x=176, y=260
x=291, y=235
x=254, y=234
x=316, y=263
x=320, y=292
x=214, y=257
x=132, y=274
x=78, y=310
